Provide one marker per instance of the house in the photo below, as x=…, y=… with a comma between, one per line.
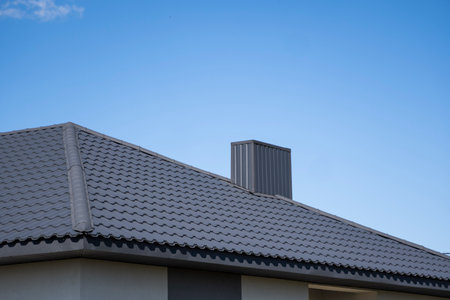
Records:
x=87, y=216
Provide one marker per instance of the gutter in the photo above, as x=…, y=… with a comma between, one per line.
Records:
x=184, y=257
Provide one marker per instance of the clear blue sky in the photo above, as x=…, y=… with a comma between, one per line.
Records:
x=359, y=90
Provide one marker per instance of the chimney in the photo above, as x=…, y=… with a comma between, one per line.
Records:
x=261, y=168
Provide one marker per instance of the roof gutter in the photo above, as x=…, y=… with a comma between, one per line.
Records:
x=41, y=250
x=173, y=256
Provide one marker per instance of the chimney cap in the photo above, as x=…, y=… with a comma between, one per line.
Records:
x=261, y=143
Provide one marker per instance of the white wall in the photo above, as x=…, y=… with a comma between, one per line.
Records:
x=113, y=280
x=41, y=281
x=261, y=288
x=382, y=295
x=375, y=295
x=85, y=279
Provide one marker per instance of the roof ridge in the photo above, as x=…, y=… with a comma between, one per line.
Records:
x=79, y=200
x=139, y=148
x=360, y=226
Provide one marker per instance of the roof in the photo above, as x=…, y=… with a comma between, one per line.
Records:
x=68, y=181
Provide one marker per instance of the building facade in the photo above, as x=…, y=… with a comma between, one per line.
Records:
x=86, y=216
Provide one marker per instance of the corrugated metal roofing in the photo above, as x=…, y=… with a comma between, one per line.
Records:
x=135, y=194
x=261, y=168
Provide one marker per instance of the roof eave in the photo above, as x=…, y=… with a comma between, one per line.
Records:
x=41, y=250
x=174, y=256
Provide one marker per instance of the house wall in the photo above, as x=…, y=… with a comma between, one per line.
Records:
x=186, y=284
x=85, y=279
x=332, y=295
x=315, y=294
x=382, y=295
x=88, y=279
x=261, y=288
x=114, y=280
x=41, y=281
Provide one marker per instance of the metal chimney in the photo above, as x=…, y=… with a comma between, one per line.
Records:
x=261, y=168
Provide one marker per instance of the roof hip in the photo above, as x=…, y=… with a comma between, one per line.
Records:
x=79, y=201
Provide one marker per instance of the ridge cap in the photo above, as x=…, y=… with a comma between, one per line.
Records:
x=79, y=200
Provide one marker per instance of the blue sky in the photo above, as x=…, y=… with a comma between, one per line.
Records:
x=359, y=90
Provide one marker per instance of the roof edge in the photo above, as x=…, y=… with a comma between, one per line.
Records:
x=215, y=260
x=175, y=256
x=357, y=225
x=139, y=148
x=41, y=249
x=33, y=129
x=79, y=200
x=134, y=146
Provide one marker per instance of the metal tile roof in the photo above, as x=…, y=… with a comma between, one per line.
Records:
x=34, y=193
x=135, y=194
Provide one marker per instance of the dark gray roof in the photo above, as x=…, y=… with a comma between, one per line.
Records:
x=34, y=192
x=117, y=190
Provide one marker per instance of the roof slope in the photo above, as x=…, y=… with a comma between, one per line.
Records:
x=135, y=194
x=34, y=192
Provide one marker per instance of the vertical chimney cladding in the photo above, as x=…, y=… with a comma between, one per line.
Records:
x=261, y=168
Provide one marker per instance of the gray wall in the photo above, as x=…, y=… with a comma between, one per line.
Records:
x=261, y=288
x=333, y=295
x=185, y=284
